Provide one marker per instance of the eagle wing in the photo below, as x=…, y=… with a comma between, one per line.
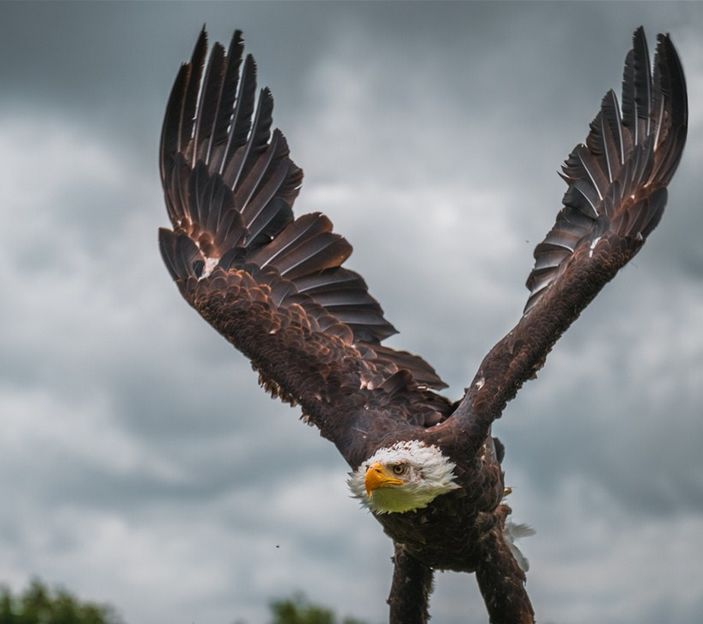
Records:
x=271, y=284
x=616, y=195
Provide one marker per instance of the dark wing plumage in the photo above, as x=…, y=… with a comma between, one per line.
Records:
x=615, y=198
x=617, y=180
x=271, y=284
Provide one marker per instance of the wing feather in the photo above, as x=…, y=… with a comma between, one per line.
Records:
x=241, y=115
x=225, y=102
x=273, y=285
x=210, y=95
x=610, y=193
x=190, y=99
x=615, y=198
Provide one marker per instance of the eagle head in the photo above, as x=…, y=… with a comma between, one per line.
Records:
x=403, y=477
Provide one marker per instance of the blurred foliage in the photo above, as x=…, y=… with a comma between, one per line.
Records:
x=299, y=610
x=40, y=605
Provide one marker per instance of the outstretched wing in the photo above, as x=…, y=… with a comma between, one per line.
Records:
x=616, y=195
x=271, y=284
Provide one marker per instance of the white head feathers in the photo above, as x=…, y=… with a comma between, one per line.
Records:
x=417, y=474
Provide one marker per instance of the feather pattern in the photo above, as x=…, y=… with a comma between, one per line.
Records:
x=210, y=95
x=271, y=284
x=189, y=101
x=615, y=197
x=625, y=160
x=241, y=116
x=643, y=83
x=225, y=102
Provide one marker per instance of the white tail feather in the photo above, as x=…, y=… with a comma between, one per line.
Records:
x=513, y=532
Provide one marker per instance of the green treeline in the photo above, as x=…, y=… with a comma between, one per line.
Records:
x=40, y=605
x=298, y=610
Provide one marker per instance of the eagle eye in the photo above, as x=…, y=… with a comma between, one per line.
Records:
x=399, y=469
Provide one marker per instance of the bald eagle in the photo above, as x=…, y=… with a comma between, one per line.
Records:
x=275, y=287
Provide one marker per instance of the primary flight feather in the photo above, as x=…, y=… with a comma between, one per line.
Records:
x=275, y=287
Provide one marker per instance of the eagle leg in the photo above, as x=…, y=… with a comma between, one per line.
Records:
x=411, y=589
x=502, y=584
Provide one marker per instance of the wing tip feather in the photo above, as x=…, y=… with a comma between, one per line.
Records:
x=624, y=149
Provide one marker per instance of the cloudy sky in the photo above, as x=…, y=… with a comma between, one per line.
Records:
x=140, y=463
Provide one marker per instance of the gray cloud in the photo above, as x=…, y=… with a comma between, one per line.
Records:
x=145, y=465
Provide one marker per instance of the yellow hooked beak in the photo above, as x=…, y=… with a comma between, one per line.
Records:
x=378, y=476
